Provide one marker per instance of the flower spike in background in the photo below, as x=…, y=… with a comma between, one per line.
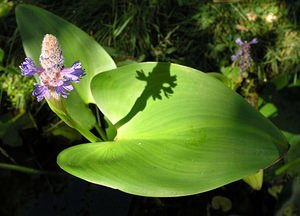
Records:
x=243, y=56
x=54, y=78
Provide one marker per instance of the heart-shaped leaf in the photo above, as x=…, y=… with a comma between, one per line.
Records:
x=180, y=132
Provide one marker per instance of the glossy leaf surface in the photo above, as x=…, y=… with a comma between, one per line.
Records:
x=180, y=132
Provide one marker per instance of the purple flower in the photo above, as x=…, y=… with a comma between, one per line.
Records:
x=40, y=91
x=253, y=41
x=74, y=73
x=62, y=89
x=239, y=41
x=243, y=56
x=54, y=78
x=28, y=68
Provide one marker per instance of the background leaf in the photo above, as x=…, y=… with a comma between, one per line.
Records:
x=180, y=132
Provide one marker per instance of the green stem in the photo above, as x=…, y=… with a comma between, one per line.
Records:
x=238, y=10
x=54, y=126
x=88, y=135
x=23, y=169
x=4, y=153
x=287, y=166
x=59, y=108
x=101, y=132
x=98, y=125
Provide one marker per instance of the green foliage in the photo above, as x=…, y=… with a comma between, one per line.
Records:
x=21, y=168
x=10, y=127
x=17, y=88
x=220, y=202
x=200, y=34
x=289, y=203
x=1, y=58
x=167, y=144
x=280, y=103
x=5, y=7
x=63, y=130
x=255, y=180
x=173, y=122
x=277, y=52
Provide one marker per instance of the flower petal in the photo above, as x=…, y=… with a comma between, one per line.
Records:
x=239, y=42
x=62, y=89
x=74, y=73
x=40, y=91
x=28, y=68
x=234, y=57
x=68, y=86
x=253, y=41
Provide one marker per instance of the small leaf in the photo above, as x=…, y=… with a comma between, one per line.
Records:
x=268, y=110
x=221, y=202
x=255, y=180
x=66, y=132
x=275, y=191
x=5, y=7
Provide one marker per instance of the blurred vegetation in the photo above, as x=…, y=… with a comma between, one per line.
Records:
x=199, y=34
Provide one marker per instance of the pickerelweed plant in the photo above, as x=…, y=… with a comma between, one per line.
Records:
x=54, y=77
x=243, y=55
x=240, y=76
x=164, y=129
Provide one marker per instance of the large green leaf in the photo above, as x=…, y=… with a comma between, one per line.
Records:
x=34, y=23
x=180, y=132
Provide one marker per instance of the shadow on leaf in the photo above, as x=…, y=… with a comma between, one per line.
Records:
x=159, y=81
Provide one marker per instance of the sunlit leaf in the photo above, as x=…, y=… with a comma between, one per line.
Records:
x=180, y=132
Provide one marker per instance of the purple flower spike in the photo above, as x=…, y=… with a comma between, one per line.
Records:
x=54, y=78
x=28, y=68
x=242, y=56
x=41, y=91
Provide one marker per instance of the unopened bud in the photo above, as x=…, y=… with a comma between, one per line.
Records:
x=51, y=57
